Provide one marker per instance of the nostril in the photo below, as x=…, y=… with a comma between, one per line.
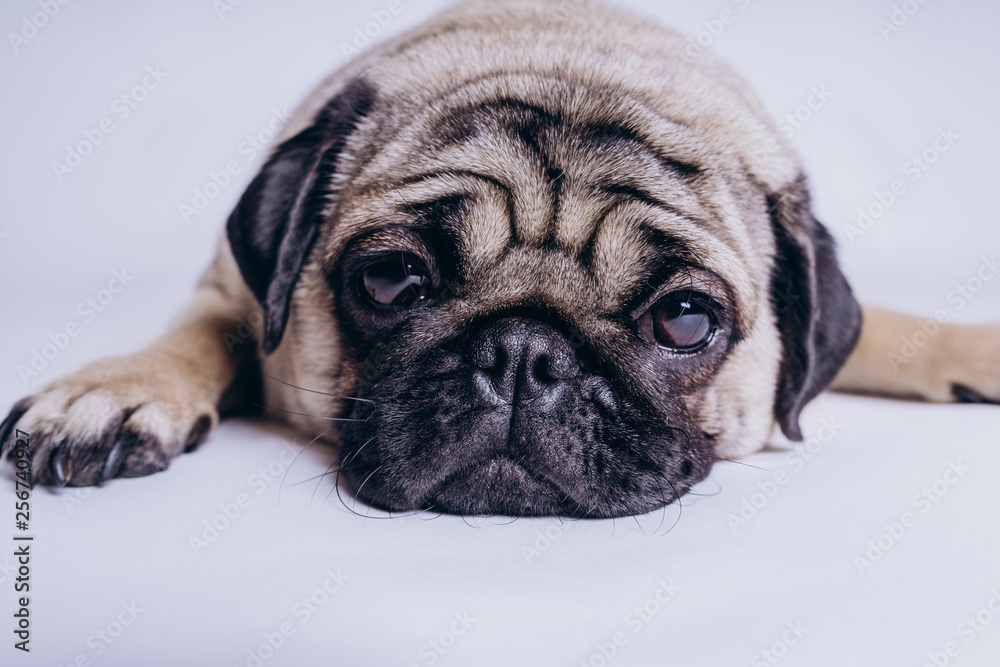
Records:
x=541, y=370
x=499, y=364
x=687, y=468
x=500, y=361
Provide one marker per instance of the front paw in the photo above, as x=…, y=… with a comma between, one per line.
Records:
x=124, y=417
x=964, y=394
x=971, y=367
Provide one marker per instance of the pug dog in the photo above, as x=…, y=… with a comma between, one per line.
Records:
x=518, y=261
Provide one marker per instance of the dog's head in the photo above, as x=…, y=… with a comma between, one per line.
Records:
x=554, y=279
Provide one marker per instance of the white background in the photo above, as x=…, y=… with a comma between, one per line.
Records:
x=535, y=600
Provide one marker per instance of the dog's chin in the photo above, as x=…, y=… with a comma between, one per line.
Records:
x=499, y=486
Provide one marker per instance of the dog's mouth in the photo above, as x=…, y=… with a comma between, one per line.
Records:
x=505, y=485
x=499, y=485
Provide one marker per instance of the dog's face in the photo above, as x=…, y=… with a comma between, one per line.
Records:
x=542, y=295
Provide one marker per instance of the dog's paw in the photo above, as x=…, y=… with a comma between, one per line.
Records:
x=123, y=417
x=972, y=368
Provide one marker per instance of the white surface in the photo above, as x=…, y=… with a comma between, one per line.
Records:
x=409, y=577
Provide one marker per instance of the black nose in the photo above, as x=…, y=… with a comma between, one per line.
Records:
x=520, y=359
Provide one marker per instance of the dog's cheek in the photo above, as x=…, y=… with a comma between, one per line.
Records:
x=735, y=411
x=313, y=365
x=410, y=427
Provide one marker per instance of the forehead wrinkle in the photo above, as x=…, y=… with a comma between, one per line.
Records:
x=621, y=253
x=616, y=169
x=717, y=254
x=484, y=233
x=530, y=274
x=517, y=168
x=595, y=120
x=398, y=203
x=578, y=216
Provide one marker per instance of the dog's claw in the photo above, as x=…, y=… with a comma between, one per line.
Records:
x=58, y=466
x=116, y=459
x=198, y=433
x=964, y=394
x=7, y=427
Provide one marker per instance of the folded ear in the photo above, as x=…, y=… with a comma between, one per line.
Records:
x=277, y=219
x=817, y=314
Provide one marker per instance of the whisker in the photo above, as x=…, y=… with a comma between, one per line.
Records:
x=329, y=471
x=680, y=505
x=313, y=478
x=289, y=468
x=408, y=204
x=336, y=487
x=355, y=454
x=321, y=393
x=302, y=414
x=740, y=463
x=718, y=489
x=431, y=511
x=357, y=494
x=346, y=465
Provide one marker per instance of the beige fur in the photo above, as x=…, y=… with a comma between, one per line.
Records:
x=953, y=355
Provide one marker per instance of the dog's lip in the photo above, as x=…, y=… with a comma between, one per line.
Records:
x=500, y=459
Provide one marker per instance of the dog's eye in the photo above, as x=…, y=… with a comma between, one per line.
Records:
x=398, y=283
x=678, y=323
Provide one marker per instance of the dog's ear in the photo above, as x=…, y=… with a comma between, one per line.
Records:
x=817, y=314
x=277, y=219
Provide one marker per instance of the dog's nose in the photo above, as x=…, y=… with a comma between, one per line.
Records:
x=520, y=359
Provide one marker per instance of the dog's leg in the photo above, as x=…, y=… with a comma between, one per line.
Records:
x=128, y=416
x=912, y=357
